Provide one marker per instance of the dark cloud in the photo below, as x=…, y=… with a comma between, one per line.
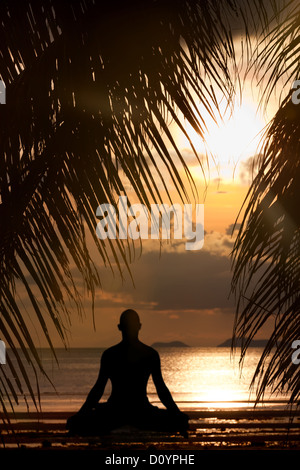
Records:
x=174, y=281
x=232, y=228
x=249, y=169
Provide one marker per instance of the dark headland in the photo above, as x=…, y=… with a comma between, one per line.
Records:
x=171, y=344
x=255, y=343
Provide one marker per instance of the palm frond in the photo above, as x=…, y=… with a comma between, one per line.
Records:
x=266, y=256
x=275, y=60
x=91, y=87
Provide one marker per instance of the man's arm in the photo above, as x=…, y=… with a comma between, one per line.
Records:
x=97, y=391
x=161, y=388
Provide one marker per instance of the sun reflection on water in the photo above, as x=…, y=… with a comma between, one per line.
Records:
x=207, y=376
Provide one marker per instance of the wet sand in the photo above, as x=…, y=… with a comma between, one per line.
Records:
x=242, y=428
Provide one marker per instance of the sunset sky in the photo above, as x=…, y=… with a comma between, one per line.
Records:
x=184, y=295
x=115, y=112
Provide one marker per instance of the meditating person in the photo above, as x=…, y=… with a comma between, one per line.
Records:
x=128, y=365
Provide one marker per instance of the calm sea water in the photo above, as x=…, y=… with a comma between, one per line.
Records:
x=197, y=377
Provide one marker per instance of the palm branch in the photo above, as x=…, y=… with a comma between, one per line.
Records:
x=91, y=88
x=266, y=255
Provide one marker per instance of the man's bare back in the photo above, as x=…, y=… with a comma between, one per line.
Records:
x=129, y=365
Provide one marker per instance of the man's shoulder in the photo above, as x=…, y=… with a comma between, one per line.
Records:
x=150, y=351
x=111, y=350
x=118, y=349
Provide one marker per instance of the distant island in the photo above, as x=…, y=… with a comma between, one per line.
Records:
x=255, y=343
x=171, y=344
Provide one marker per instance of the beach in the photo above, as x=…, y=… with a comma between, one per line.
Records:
x=206, y=383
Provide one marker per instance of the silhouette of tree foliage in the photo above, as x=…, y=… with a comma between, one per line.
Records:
x=91, y=88
x=266, y=255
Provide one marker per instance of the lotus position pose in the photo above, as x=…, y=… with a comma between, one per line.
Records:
x=128, y=365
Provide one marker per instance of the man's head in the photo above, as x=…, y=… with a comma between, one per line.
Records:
x=129, y=323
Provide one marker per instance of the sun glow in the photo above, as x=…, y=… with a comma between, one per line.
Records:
x=232, y=139
x=220, y=395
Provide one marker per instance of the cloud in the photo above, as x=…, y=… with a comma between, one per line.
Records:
x=180, y=294
x=218, y=244
x=166, y=277
x=172, y=281
x=232, y=228
x=248, y=169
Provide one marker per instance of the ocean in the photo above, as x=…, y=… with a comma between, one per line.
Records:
x=197, y=377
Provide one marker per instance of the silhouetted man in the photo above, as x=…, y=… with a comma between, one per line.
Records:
x=128, y=365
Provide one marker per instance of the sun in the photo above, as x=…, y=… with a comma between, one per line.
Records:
x=237, y=137
x=234, y=138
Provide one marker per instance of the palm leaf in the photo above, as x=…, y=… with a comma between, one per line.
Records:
x=91, y=88
x=266, y=254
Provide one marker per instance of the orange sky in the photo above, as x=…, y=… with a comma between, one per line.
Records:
x=179, y=295
x=183, y=295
